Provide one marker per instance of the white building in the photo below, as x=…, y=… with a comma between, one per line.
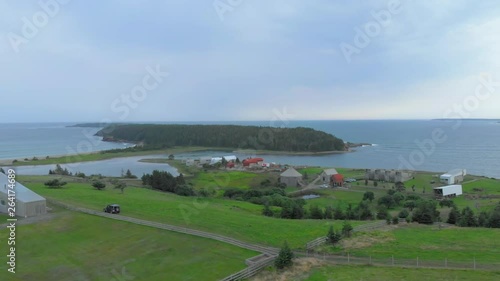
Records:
x=205, y=160
x=230, y=158
x=453, y=176
x=28, y=203
x=326, y=175
x=448, y=191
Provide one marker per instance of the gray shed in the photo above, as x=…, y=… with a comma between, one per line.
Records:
x=28, y=203
x=291, y=177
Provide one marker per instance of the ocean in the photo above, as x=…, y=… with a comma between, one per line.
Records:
x=426, y=145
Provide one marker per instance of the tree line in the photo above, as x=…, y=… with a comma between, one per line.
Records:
x=244, y=137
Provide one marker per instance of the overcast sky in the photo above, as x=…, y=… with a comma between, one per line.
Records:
x=248, y=60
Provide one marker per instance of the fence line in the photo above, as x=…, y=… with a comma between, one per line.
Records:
x=400, y=262
x=221, y=238
x=251, y=270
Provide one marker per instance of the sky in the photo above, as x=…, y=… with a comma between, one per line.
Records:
x=223, y=60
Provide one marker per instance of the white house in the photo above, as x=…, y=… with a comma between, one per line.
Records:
x=230, y=158
x=453, y=176
x=448, y=191
x=28, y=203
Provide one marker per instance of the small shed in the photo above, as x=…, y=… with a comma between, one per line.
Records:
x=290, y=177
x=448, y=191
x=28, y=203
x=326, y=175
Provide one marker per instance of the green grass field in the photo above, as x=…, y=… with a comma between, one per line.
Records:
x=73, y=246
x=226, y=179
x=241, y=220
x=371, y=273
x=426, y=242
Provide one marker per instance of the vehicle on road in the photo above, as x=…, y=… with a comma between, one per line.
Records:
x=112, y=209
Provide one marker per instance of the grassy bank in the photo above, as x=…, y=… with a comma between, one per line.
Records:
x=74, y=246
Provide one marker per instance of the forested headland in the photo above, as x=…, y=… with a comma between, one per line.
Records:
x=225, y=136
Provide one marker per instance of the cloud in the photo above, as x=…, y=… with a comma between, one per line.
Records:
x=264, y=55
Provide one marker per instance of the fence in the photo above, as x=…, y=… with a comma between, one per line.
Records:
x=251, y=270
x=241, y=244
x=365, y=227
x=400, y=262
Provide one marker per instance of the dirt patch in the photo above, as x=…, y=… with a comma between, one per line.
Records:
x=364, y=240
x=299, y=271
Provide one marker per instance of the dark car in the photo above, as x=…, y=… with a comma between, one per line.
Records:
x=112, y=209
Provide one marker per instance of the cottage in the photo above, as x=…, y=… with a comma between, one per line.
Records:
x=326, y=175
x=453, y=176
x=448, y=191
x=28, y=203
x=291, y=177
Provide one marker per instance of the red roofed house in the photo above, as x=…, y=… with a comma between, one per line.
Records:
x=337, y=180
x=253, y=162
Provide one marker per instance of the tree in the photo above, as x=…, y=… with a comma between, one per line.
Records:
x=425, y=212
x=382, y=212
x=267, y=211
x=285, y=257
x=99, y=185
x=121, y=186
x=395, y=220
x=171, y=157
x=453, y=216
x=388, y=219
x=315, y=212
x=55, y=183
x=238, y=160
x=333, y=237
x=129, y=175
x=494, y=220
x=482, y=219
x=387, y=200
x=346, y=229
x=375, y=183
x=399, y=186
x=446, y=203
x=398, y=197
x=403, y=214
x=338, y=214
x=467, y=218
x=366, y=182
x=410, y=205
x=368, y=196
x=328, y=212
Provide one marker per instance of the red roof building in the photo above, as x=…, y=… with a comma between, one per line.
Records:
x=337, y=180
x=252, y=162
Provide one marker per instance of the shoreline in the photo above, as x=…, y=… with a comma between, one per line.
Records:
x=103, y=155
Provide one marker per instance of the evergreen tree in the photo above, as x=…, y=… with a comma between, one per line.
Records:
x=315, y=212
x=467, y=218
x=494, y=220
x=338, y=214
x=328, y=212
x=285, y=257
x=346, y=229
x=333, y=237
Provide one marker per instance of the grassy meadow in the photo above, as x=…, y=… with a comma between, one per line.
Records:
x=237, y=219
x=73, y=246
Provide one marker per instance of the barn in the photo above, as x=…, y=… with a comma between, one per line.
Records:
x=290, y=177
x=326, y=175
x=253, y=162
x=337, y=180
x=448, y=191
x=453, y=176
x=28, y=203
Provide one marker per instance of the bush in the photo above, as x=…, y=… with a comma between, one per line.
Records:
x=99, y=185
x=395, y=220
x=403, y=214
x=285, y=257
x=346, y=229
x=185, y=190
x=55, y=183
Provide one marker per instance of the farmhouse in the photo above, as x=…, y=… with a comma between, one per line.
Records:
x=387, y=175
x=453, y=176
x=291, y=177
x=448, y=191
x=28, y=203
x=326, y=175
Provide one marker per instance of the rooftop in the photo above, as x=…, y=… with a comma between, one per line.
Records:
x=23, y=194
x=291, y=173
